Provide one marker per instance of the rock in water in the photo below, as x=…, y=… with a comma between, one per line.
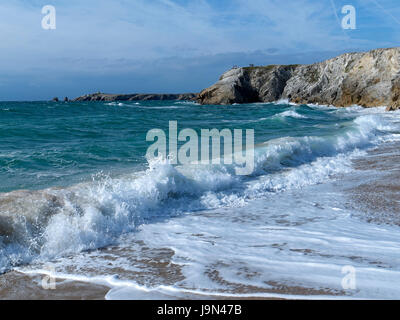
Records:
x=368, y=79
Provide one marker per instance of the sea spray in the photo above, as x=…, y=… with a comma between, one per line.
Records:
x=52, y=222
x=189, y=153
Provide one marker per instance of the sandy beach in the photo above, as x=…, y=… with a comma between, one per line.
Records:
x=378, y=197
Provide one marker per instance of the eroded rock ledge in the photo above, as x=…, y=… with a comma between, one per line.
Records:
x=368, y=79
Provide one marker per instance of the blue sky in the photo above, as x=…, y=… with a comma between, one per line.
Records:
x=127, y=46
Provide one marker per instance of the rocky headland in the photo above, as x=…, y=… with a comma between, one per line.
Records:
x=368, y=79
x=135, y=97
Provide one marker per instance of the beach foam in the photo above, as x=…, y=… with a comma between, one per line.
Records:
x=52, y=222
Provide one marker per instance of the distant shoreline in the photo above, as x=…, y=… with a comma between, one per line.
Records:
x=136, y=97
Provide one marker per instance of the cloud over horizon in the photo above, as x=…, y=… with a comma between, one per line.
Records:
x=172, y=45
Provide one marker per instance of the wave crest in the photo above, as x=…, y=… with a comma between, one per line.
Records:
x=48, y=223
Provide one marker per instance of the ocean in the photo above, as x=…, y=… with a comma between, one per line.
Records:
x=79, y=203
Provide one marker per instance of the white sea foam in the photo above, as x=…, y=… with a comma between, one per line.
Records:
x=49, y=223
x=116, y=104
x=290, y=113
x=187, y=103
x=291, y=239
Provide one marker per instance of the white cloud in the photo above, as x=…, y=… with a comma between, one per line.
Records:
x=143, y=29
x=103, y=37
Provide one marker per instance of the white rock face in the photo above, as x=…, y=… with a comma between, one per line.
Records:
x=369, y=79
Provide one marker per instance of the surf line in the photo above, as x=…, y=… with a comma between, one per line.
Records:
x=188, y=153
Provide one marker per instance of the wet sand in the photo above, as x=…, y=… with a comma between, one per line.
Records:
x=376, y=196
x=17, y=286
x=153, y=264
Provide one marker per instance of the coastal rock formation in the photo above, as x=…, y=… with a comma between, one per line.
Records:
x=395, y=95
x=246, y=85
x=368, y=79
x=135, y=97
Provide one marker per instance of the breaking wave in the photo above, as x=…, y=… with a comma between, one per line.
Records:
x=57, y=221
x=290, y=113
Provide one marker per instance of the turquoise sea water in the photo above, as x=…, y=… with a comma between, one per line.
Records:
x=74, y=180
x=45, y=144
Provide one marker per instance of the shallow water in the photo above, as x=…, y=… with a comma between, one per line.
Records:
x=196, y=231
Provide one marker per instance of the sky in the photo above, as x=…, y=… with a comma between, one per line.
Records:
x=173, y=46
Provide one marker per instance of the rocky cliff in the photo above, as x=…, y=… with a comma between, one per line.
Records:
x=135, y=97
x=368, y=79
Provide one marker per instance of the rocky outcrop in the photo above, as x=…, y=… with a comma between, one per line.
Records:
x=368, y=79
x=135, y=97
x=395, y=95
x=246, y=85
